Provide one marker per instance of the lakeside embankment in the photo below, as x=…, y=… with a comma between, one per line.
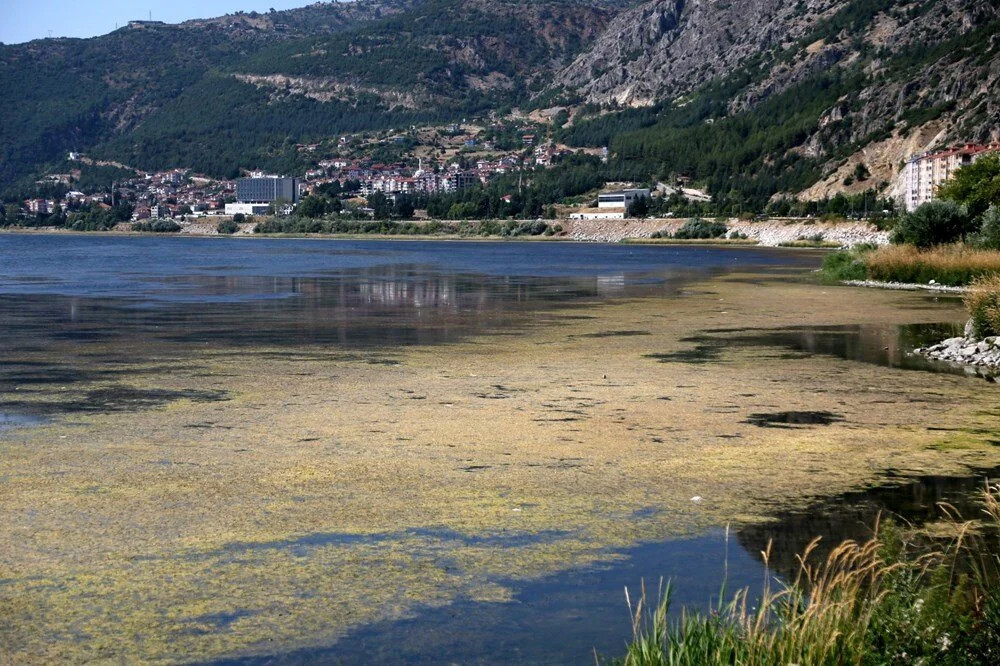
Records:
x=769, y=233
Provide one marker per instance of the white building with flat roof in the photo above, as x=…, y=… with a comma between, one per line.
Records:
x=621, y=198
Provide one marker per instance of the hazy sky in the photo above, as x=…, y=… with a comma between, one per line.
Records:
x=24, y=20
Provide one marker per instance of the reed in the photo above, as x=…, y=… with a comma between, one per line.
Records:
x=946, y=264
x=884, y=601
x=982, y=300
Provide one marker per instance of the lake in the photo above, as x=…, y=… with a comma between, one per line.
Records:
x=310, y=451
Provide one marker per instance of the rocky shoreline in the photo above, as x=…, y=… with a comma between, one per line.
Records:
x=980, y=357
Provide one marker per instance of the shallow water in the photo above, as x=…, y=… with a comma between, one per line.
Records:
x=171, y=333
x=569, y=617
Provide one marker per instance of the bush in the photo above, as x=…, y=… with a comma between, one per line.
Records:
x=239, y=217
x=227, y=227
x=934, y=223
x=847, y=265
x=698, y=228
x=982, y=300
x=159, y=226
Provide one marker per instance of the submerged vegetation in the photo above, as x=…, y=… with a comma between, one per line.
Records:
x=893, y=599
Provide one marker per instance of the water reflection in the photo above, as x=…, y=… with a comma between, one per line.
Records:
x=565, y=618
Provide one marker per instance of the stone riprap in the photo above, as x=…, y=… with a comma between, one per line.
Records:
x=977, y=355
x=771, y=232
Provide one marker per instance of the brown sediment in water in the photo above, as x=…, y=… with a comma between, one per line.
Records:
x=327, y=491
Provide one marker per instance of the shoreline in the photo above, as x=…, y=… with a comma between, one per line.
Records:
x=792, y=233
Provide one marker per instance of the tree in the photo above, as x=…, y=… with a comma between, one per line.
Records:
x=639, y=207
x=312, y=206
x=976, y=186
x=381, y=206
x=403, y=207
x=989, y=231
x=934, y=223
x=227, y=227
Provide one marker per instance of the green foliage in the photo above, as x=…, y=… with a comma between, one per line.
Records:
x=98, y=218
x=701, y=229
x=975, y=186
x=934, y=223
x=893, y=600
x=227, y=226
x=847, y=264
x=639, y=207
x=989, y=229
x=157, y=226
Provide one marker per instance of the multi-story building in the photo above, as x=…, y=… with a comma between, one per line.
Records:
x=924, y=173
x=38, y=207
x=264, y=190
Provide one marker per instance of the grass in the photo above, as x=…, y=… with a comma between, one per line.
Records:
x=982, y=300
x=946, y=264
x=953, y=265
x=887, y=601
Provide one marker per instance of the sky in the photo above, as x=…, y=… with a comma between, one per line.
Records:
x=24, y=20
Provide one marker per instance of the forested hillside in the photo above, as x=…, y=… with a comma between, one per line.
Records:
x=215, y=94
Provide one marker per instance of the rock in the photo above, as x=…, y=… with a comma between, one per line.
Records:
x=968, y=351
x=983, y=347
x=968, y=328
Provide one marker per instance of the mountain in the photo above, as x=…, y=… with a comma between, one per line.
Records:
x=752, y=99
x=238, y=91
x=769, y=96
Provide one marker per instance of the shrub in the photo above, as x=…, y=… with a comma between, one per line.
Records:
x=158, y=226
x=847, y=265
x=239, y=217
x=227, y=227
x=699, y=228
x=934, y=223
x=982, y=300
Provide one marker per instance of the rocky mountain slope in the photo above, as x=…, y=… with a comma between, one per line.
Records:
x=894, y=76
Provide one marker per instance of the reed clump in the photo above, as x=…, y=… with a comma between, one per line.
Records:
x=886, y=601
x=982, y=300
x=946, y=264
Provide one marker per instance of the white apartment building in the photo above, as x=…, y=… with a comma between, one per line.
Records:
x=924, y=173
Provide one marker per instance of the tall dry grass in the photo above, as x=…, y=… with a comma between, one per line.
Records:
x=946, y=264
x=880, y=602
x=982, y=300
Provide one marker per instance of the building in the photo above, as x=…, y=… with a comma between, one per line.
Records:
x=38, y=207
x=458, y=180
x=598, y=214
x=924, y=173
x=264, y=190
x=247, y=208
x=621, y=198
